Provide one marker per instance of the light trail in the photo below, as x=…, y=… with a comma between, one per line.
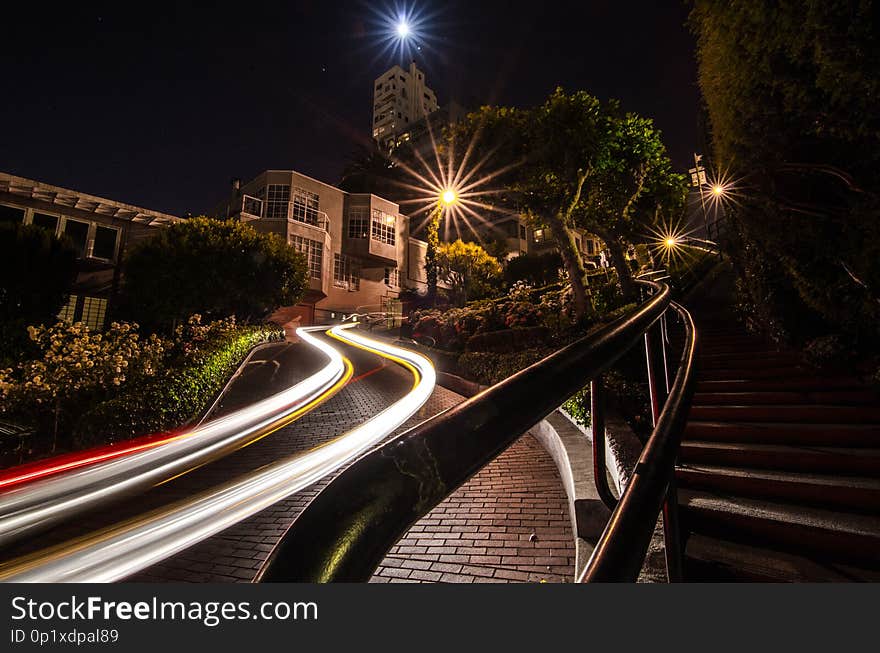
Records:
x=123, y=549
x=38, y=504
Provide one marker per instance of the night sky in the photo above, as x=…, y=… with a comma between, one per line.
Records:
x=161, y=105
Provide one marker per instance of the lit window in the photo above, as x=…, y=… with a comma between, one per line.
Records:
x=346, y=272
x=94, y=309
x=539, y=235
x=277, y=199
x=251, y=205
x=392, y=277
x=105, y=243
x=305, y=206
x=68, y=310
x=384, y=228
x=314, y=252
x=358, y=222
x=78, y=232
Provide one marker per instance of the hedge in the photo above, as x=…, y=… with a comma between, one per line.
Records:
x=508, y=340
x=490, y=368
x=174, y=399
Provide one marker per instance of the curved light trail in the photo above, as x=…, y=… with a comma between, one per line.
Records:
x=126, y=548
x=38, y=504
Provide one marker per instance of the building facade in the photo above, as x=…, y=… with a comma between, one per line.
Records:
x=358, y=246
x=102, y=230
x=400, y=99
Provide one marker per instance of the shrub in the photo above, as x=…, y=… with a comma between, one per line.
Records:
x=37, y=270
x=508, y=340
x=76, y=366
x=175, y=397
x=489, y=369
x=210, y=267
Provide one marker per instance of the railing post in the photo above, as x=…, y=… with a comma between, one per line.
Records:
x=672, y=533
x=597, y=425
x=653, y=389
x=664, y=341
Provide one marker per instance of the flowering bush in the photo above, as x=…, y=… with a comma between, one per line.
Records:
x=77, y=365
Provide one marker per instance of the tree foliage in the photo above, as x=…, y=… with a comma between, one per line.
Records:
x=468, y=269
x=791, y=90
x=210, y=267
x=631, y=185
x=37, y=270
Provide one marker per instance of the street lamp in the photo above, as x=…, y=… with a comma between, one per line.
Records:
x=446, y=198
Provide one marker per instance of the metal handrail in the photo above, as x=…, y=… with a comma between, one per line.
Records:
x=346, y=531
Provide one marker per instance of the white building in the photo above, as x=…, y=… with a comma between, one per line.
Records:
x=358, y=246
x=400, y=98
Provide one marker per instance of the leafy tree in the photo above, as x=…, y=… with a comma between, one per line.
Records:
x=536, y=269
x=210, y=267
x=791, y=90
x=468, y=268
x=370, y=170
x=37, y=270
x=553, y=146
x=630, y=184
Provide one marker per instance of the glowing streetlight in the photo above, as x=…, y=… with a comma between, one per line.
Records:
x=403, y=29
x=718, y=190
x=449, y=197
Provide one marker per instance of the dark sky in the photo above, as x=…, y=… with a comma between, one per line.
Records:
x=161, y=105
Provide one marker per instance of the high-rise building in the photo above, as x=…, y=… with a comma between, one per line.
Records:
x=400, y=98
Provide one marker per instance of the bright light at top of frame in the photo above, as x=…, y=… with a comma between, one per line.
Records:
x=403, y=28
x=449, y=196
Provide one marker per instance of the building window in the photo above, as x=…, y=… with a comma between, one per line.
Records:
x=384, y=228
x=105, y=243
x=346, y=272
x=591, y=247
x=522, y=232
x=94, y=309
x=11, y=213
x=252, y=205
x=49, y=222
x=68, y=310
x=358, y=222
x=78, y=233
x=539, y=235
x=392, y=277
x=314, y=252
x=277, y=199
x=305, y=206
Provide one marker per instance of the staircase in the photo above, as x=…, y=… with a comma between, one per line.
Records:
x=779, y=470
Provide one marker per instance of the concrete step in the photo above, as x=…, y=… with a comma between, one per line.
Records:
x=801, y=384
x=728, y=374
x=824, y=535
x=823, y=460
x=849, y=493
x=807, y=414
x=746, y=361
x=709, y=559
x=753, y=397
x=834, y=435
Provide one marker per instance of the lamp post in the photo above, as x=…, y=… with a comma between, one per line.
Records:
x=447, y=198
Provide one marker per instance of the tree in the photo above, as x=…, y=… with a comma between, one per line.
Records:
x=37, y=270
x=791, y=90
x=212, y=268
x=630, y=184
x=468, y=268
x=370, y=170
x=536, y=269
x=553, y=146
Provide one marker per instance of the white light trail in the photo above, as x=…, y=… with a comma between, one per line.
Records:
x=39, y=504
x=134, y=545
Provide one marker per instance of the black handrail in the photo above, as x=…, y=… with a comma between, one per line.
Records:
x=620, y=552
x=345, y=532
